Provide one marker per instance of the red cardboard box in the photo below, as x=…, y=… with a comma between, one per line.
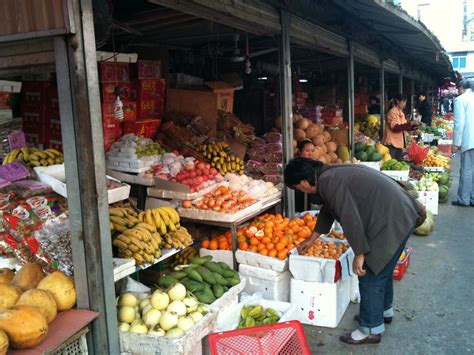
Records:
x=145, y=129
x=55, y=144
x=151, y=88
x=402, y=265
x=108, y=91
x=33, y=94
x=108, y=111
x=52, y=100
x=112, y=131
x=32, y=121
x=4, y=100
x=55, y=129
x=148, y=69
x=150, y=109
x=129, y=111
x=110, y=72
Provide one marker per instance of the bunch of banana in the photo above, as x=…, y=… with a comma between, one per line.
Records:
x=141, y=243
x=228, y=164
x=214, y=150
x=123, y=218
x=165, y=219
x=184, y=257
x=34, y=157
x=251, y=316
x=178, y=239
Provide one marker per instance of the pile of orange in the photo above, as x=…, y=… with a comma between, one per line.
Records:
x=274, y=235
x=218, y=242
x=327, y=250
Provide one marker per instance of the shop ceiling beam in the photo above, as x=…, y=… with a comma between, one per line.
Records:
x=350, y=94
x=32, y=59
x=286, y=106
x=81, y=128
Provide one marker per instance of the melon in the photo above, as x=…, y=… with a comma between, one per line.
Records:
x=28, y=277
x=343, y=153
x=325, y=150
x=332, y=156
x=3, y=343
x=9, y=295
x=62, y=288
x=318, y=151
x=25, y=326
x=319, y=140
x=312, y=131
x=6, y=276
x=331, y=147
x=327, y=136
x=299, y=134
x=41, y=299
x=303, y=123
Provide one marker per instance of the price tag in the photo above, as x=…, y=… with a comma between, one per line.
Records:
x=16, y=140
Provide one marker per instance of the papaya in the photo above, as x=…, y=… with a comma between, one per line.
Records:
x=343, y=153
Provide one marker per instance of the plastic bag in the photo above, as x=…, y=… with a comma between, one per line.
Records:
x=417, y=153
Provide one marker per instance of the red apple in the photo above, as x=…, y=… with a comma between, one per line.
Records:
x=213, y=171
x=192, y=174
x=198, y=172
x=205, y=171
x=208, y=166
x=201, y=166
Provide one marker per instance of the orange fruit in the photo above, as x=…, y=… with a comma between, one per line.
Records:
x=213, y=245
x=253, y=248
x=263, y=252
x=282, y=254
x=243, y=246
x=265, y=240
x=260, y=246
x=241, y=239
x=273, y=253
x=222, y=239
x=228, y=234
x=290, y=246
x=205, y=243
x=270, y=246
x=254, y=241
x=279, y=246
x=223, y=245
x=308, y=217
x=295, y=228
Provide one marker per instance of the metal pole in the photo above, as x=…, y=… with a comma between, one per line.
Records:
x=412, y=93
x=286, y=106
x=382, y=99
x=350, y=92
x=81, y=127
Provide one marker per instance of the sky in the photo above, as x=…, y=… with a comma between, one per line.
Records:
x=444, y=18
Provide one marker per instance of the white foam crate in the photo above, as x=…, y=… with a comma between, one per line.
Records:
x=320, y=304
x=372, y=164
x=429, y=199
x=232, y=317
x=314, y=269
x=228, y=299
x=265, y=262
x=189, y=343
x=224, y=256
x=398, y=175
x=273, y=285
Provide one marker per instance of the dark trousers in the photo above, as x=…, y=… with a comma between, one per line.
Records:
x=396, y=153
x=376, y=295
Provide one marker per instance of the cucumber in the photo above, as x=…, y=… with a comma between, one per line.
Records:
x=217, y=290
x=167, y=281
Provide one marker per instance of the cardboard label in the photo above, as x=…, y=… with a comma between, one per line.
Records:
x=17, y=140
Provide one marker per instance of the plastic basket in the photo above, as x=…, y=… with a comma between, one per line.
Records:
x=280, y=338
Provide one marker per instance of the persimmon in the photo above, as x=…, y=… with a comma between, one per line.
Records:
x=213, y=245
x=243, y=246
x=241, y=239
x=254, y=241
x=260, y=246
x=265, y=240
x=223, y=245
x=205, y=243
x=295, y=228
x=273, y=253
x=270, y=246
x=279, y=246
x=263, y=252
x=282, y=255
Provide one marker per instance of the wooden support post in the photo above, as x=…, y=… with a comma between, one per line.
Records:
x=286, y=106
x=81, y=127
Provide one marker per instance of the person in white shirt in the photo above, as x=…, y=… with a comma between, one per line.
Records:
x=464, y=143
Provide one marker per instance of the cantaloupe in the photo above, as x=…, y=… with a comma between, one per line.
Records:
x=3, y=343
x=332, y=156
x=318, y=151
x=9, y=295
x=312, y=131
x=327, y=136
x=28, y=277
x=299, y=134
x=62, y=288
x=303, y=123
x=331, y=147
x=25, y=326
x=319, y=140
x=325, y=150
x=6, y=276
x=41, y=299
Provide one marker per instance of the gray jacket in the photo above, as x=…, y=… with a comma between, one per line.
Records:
x=376, y=213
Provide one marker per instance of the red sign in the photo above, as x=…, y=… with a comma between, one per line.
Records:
x=110, y=72
x=149, y=69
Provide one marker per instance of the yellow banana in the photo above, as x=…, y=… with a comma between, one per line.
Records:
x=173, y=215
x=49, y=153
x=164, y=216
x=118, y=220
x=42, y=155
x=149, y=227
x=132, y=233
x=34, y=157
x=139, y=259
x=26, y=154
x=141, y=216
x=148, y=217
x=145, y=235
x=119, y=244
x=119, y=227
x=123, y=238
x=55, y=152
x=119, y=212
x=156, y=218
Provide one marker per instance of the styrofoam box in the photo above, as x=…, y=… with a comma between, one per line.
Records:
x=399, y=175
x=228, y=299
x=429, y=199
x=225, y=256
x=273, y=285
x=189, y=343
x=265, y=262
x=231, y=317
x=55, y=176
x=310, y=268
x=371, y=164
x=321, y=304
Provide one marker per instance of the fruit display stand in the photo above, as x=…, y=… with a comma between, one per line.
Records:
x=66, y=334
x=398, y=175
x=261, y=261
x=140, y=183
x=225, y=256
x=273, y=285
x=170, y=190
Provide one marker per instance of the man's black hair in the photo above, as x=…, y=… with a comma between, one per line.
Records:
x=299, y=169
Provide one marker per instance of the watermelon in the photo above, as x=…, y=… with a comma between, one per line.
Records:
x=369, y=149
x=359, y=147
x=375, y=156
x=362, y=156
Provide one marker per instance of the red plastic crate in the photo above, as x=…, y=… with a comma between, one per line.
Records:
x=279, y=338
x=402, y=266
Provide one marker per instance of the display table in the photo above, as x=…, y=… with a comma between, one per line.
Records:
x=67, y=327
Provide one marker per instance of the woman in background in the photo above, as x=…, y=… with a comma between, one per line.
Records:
x=396, y=126
x=306, y=148
x=424, y=109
